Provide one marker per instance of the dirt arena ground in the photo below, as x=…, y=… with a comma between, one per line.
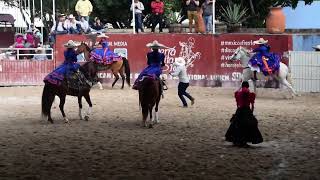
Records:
x=187, y=144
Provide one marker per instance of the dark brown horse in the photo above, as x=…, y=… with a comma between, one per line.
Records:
x=149, y=96
x=89, y=75
x=117, y=67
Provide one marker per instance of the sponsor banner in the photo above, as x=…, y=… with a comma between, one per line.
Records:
x=207, y=57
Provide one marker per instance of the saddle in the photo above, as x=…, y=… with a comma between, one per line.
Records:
x=79, y=81
x=267, y=65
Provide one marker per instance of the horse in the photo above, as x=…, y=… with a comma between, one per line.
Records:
x=117, y=67
x=89, y=74
x=244, y=55
x=149, y=96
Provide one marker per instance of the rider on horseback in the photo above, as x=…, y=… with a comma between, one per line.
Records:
x=263, y=60
x=68, y=67
x=104, y=55
x=155, y=63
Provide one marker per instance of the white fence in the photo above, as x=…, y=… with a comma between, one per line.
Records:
x=20, y=53
x=305, y=70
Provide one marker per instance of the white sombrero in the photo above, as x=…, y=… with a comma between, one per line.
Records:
x=71, y=44
x=316, y=47
x=102, y=35
x=156, y=45
x=260, y=41
x=29, y=31
x=179, y=61
x=71, y=16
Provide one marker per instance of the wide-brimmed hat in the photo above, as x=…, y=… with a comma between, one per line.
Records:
x=61, y=15
x=18, y=34
x=260, y=41
x=71, y=44
x=179, y=61
x=71, y=16
x=156, y=45
x=317, y=47
x=102, y=35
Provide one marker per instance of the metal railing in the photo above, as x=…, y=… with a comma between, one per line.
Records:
x=17, y=53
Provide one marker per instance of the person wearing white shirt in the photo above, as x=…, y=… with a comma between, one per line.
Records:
x=138, y=8
x=72, y=25
x=84, y=25
x=180, y=71
x=58, y=28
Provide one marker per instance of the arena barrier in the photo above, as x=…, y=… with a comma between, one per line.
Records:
x=207, y=56
x=305, y=70
x=18, y=68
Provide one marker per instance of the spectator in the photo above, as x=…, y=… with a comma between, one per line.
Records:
x=207, y=14
x=316, y=48
x=30, y=42
x=157, y=8
x=138, y=8
x=192, y=12
x=98, y=26
x=72, y=25
x=84, y=9
x=85, y=28
x=58, y=28
x=19, y=41
x=40, y=56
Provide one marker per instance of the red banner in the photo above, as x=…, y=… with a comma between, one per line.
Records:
x=207, y=56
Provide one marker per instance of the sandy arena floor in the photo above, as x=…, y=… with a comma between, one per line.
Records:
x=187, y=144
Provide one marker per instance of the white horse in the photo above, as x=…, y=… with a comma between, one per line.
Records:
x=244, y=55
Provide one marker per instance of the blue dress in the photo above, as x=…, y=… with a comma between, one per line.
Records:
x=104, y=55
x=273, y=60
x=155, y=62
x=67, y=68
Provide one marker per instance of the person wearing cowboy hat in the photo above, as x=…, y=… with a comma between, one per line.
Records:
x=180, y=71
x=155, y=62
x=72, y=25
x=40, y=56
x=104, y=55
x=19, y=41
x=68, y=67
x=316, y=48
x=255, y=63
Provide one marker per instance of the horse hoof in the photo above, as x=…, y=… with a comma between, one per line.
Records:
x=51, y=121
x=150, y=126
x=86, y=118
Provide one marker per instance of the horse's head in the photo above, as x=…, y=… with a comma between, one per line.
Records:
x=82, y=48
x=239, y=53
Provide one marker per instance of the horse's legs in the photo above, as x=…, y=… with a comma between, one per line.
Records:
x=156, y=116
x=80, y=107
x=88, y=99
x=116, y=76
x=100, y=85
x=61, y=106
x=150, y=112
x=122, y=76
x=254, y=86
x=144, y=115
x=286, y=83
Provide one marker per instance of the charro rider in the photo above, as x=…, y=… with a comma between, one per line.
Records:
x=263, y=60
x=104, y=55
x=155, y=61
x=67, y=68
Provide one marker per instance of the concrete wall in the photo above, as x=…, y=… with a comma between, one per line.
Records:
x=305, y=42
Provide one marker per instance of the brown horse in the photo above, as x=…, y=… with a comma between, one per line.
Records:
x=149, y=96
x=89, y=71
x=117, y=67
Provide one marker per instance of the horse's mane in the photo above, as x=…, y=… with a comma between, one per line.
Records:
x=87, y=47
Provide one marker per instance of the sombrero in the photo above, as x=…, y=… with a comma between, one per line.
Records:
x=156, y=45
x=179, y=61
x=29, y=31
x=316, y=47
x=102, y=35
x=71, y=16
x=260, y=41
x=71, y=44
x=19, y=34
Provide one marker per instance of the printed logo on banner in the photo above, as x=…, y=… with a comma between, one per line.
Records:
x=186, y=52
x=123, y=52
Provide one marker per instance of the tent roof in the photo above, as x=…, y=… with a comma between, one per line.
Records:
x=7, y=18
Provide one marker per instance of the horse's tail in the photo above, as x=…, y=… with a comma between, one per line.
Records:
x=47, y=100
x=127, y=70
